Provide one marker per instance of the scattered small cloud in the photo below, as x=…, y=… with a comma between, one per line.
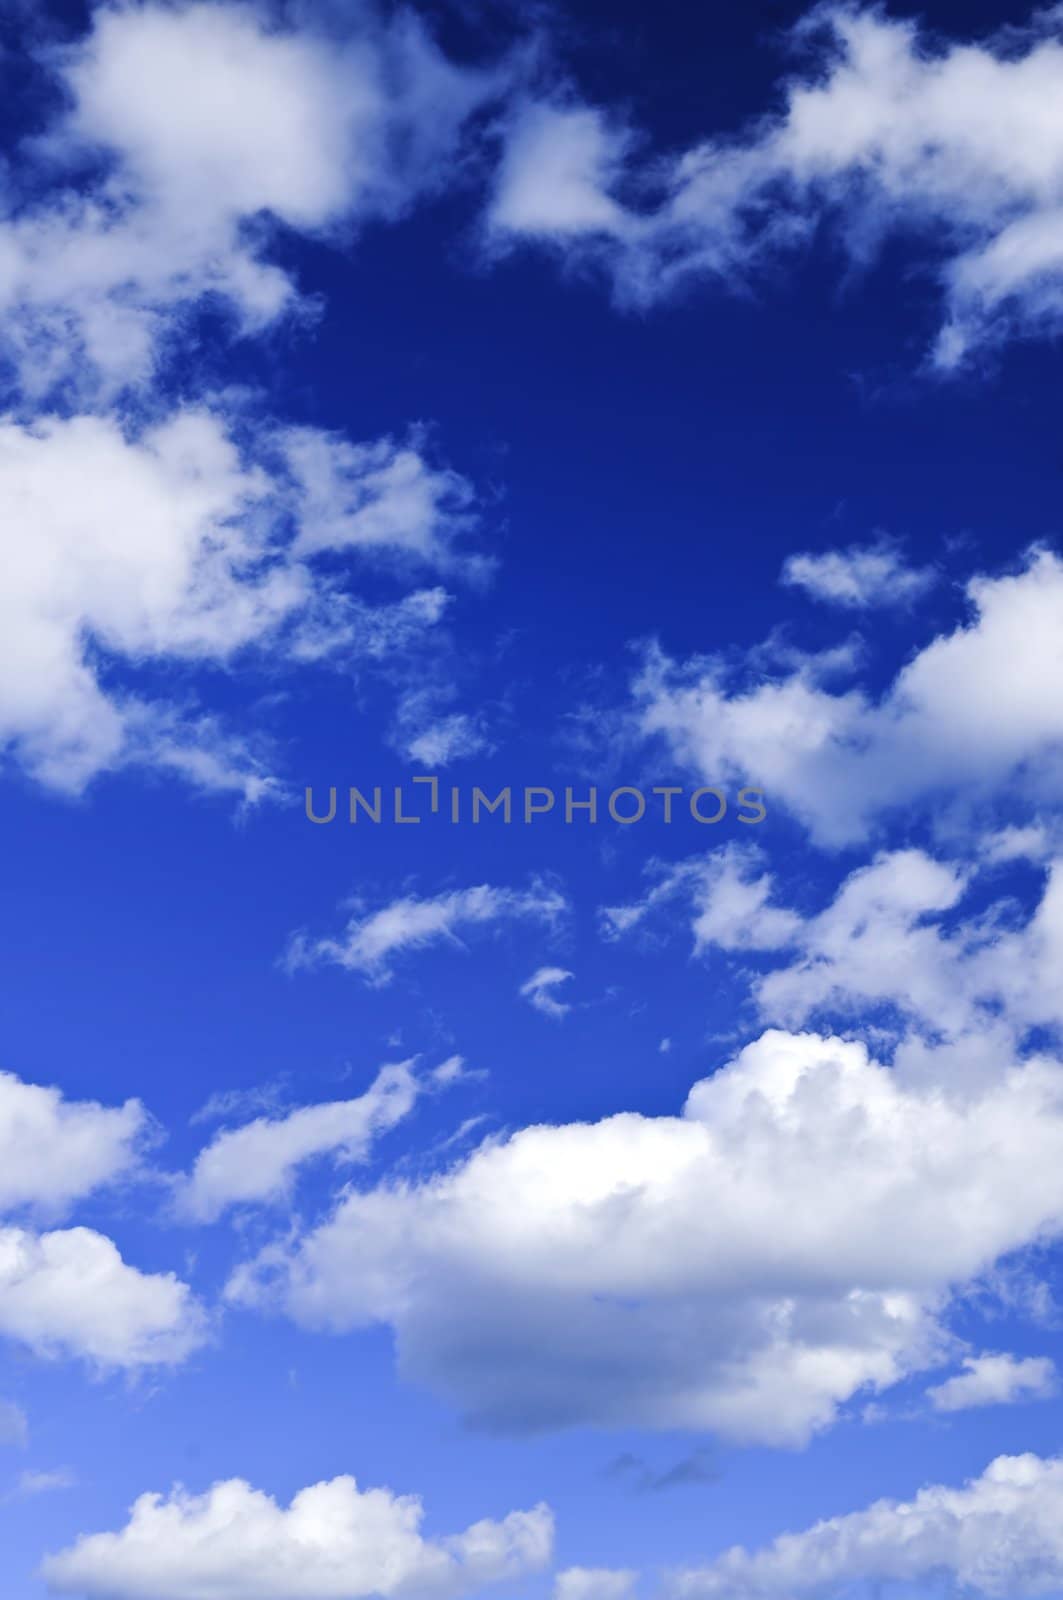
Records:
x=539, y=991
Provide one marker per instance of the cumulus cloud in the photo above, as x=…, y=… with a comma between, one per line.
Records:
x=258, y=1163
x=793, y=1238
x=974, y=711
x=54, y=1151
x=885, y=131
x=1000, y=1535
x=204, y=128
x=372, y=940
x=333, y=1542
x=995, y=1380
x=69, y=1293
x=858, y=577
x=177, y=545
x=891, y=947
x=538, y=991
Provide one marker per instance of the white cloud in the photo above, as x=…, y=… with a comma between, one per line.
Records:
x=69, y=1293
x=594, y=1583
x=793, y=1238
x=258, y=1162
x=208, y=125
x=1000, y=1535
x=538, y=991
x=995, y=1380
x=371, y=941
x=730, y=896
x=1033, y=842
x=892, y=936
x=380, y=496
x=960, y=146
x=333, y=1542
x=971, y=714
x=558, y=164
x=858, y=577
x=424, y=733
x=452, y=738
x=192, y=136
x=174, y=545
x=54, y=1151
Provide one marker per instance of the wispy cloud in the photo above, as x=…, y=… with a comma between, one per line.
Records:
x=373, y=940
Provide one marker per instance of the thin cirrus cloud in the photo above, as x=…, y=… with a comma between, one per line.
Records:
x=999, y=1536
x=539, y=991
x=885, y=131
x=373, y=940
x=258, y=1162
x=334, y=1541
x=48, y=1480
x=14, y=1425
x=745, y=1267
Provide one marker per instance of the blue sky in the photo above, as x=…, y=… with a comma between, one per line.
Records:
x=531, y=398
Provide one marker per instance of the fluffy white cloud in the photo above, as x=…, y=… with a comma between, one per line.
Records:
x=794, y=1237
x=54, y=1151
x=974, y=711
x=372, y=940
x=333, y=1542
x=175, y=545
x=191, y=134
x=959, y=145
x=1000, y=1535
x=891, y=947
x=858, y=577
x=205, y=126
x=995, y=1380
x=69, y=1293
x=259, y=1162
x=538, y=991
